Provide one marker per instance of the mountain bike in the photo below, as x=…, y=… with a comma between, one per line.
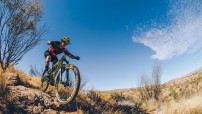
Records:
x=65, y=78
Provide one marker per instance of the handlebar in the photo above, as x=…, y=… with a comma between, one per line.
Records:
x=66, y=61
x=64, y=58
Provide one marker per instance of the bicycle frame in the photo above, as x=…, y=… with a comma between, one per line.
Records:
x=57, y=68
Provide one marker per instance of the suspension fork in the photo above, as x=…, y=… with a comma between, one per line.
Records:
x=67, y=76
x=58, y=74
x=67, y=72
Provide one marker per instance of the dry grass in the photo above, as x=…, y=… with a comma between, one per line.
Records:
x=182, y=96
x=3, y=80
x=2, y=85
x=25, y=79
x=193, y=105
x=28, y=80
x=179, y=96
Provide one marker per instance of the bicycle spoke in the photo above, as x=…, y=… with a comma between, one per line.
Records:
x=44, y=83
x=67, y=88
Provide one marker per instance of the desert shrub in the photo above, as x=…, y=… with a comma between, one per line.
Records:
x=93, y=96
x=118, y=97
x=2, y=85
x=174, y=94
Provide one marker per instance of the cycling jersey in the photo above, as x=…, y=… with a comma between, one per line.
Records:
x=56, y=48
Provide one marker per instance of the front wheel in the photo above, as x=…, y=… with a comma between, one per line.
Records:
x=67, y=84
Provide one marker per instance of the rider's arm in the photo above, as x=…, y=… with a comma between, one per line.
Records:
x=69, y=54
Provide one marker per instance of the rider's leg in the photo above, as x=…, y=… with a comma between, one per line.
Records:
x=54, y=60
x=46, y=73
x=47, y=62
x=47, y=59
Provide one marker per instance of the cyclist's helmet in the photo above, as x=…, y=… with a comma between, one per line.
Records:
x=65, y=39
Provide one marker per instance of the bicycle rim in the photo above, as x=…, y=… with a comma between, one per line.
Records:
x=67, y=88
x=44, y=83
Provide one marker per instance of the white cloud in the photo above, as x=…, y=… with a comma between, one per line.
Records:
x=183, y=35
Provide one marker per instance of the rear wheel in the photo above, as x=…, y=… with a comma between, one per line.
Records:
x=44, y=82
x=67, y=85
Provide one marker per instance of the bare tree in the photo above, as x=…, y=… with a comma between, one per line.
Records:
x=34, y=71
x=150, y=87
x=19, y=31
x=145, y=89
x=156, y=78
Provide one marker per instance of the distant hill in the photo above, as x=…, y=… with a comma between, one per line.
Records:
x=183, y=90
x=185, y=76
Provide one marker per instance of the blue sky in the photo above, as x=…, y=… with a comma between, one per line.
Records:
x=118, y=40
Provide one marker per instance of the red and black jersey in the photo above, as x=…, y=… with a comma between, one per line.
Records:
x=56, y=49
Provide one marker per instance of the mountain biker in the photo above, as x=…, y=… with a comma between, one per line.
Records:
x=57, y=47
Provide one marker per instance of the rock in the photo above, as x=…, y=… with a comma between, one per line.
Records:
x=3, y=106
x=34, y=100
x=12, y=79
x=37, y=109
x=23, y=99
x=27, y=97
x=49, y=111
x=77, y=112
